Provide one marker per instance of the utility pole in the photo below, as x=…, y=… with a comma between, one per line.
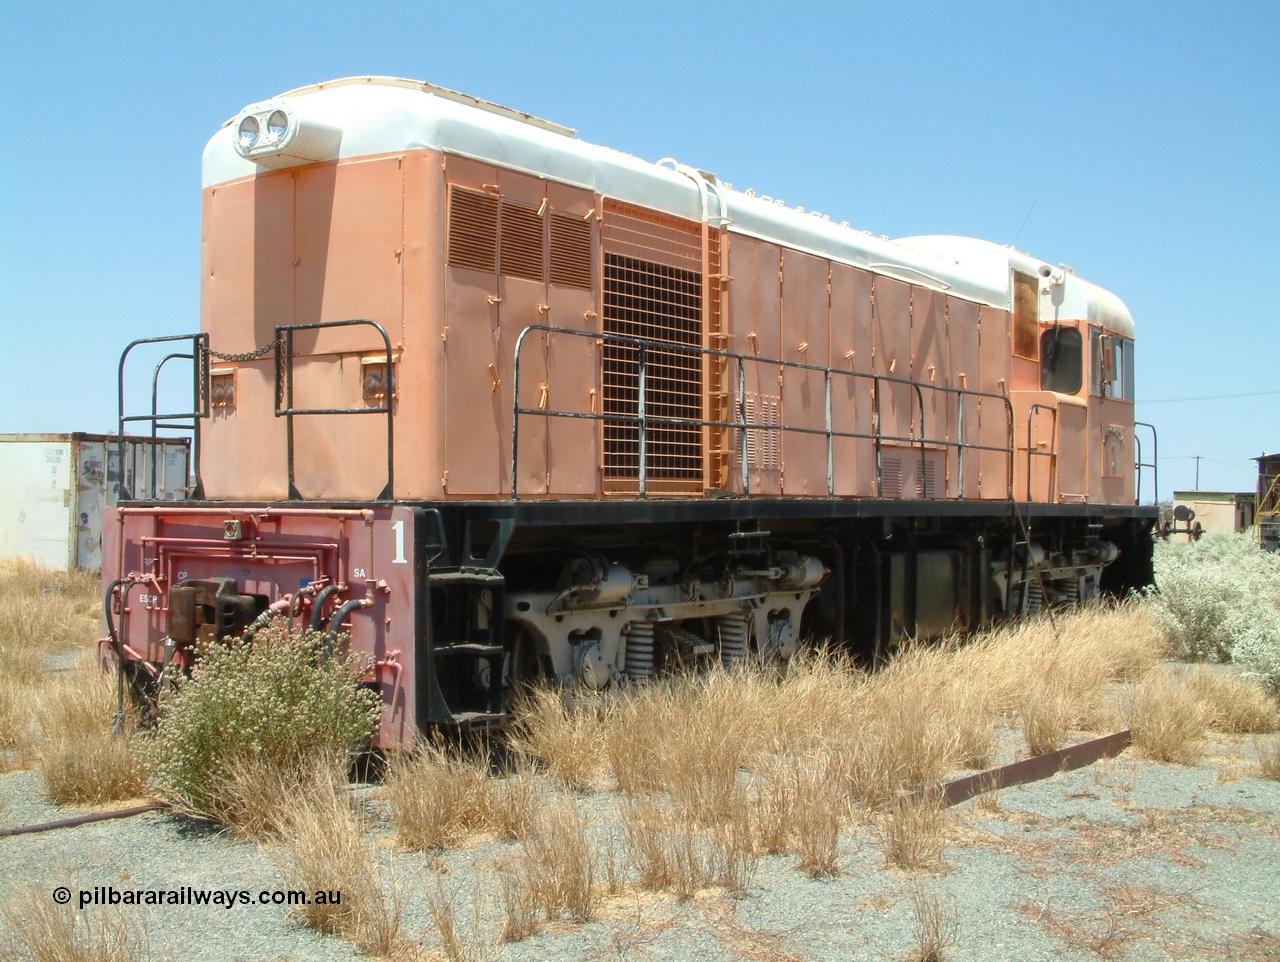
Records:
x=1197, y=457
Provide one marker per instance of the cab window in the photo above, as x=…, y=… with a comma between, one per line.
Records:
x=1061, y=360
x=1110, y=366
x=1026, y=320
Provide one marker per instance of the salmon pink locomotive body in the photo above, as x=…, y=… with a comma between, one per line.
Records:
x=500, y=404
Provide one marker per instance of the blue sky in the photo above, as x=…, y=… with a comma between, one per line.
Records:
x=1137, y=142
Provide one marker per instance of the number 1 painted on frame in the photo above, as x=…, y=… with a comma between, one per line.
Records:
x=398, y=528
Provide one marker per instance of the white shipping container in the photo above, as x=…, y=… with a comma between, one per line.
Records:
x=53, y=488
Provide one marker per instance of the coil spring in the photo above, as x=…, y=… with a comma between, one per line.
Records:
x=1033, y=595
x=639, y=652
x=733, y=639
x=1068, y=590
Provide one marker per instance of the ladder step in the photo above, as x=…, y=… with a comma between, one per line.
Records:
x=471, y=650
x=480, y=719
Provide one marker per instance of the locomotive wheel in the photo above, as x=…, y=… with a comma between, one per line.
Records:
x=522, y=665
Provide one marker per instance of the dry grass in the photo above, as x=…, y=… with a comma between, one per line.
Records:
x=47, y=610
x=325, y=849
x=797, y=805
x=564, y=736
x=258, y=798
x=899, y=745
x=818, y=811
x=1091, y=646
x=77, y=703
x=557, y=871
x=41, y=611
x=1166, y=718
x=1269, y=756
x=92, y=770
x=437, y=798
x=42, y=931
x=457, y=944
x=21, y=664
x=689, y=737
x=82, y=760
x=1048, y=713
x=672, y=855
x=912, y=831
x=1258, y=945
x=443, y=795
x=1127, y=914
x=17, y=736
x=934, y=926
x=520, y=905
x=705, y=746
x=1231, y=703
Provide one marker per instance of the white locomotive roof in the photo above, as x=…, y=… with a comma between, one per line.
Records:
x=381, y=115
x=1077, y=300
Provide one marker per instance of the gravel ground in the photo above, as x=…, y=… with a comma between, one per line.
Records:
x=1124, y=859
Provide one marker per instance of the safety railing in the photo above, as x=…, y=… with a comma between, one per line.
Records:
x=880, y=384
x=198, y=355
x=284, y=395
x=1139, y=464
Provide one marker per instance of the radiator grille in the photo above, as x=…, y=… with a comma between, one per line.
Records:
x=662, y=305
x=659, y=238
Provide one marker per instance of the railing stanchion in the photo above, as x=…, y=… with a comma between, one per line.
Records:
x=831, y=468
x=640, y=361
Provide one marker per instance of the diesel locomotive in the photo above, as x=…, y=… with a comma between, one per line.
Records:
x=504, y=405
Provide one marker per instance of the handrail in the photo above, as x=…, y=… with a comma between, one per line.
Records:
x=1140, y=464
x=155, y=423
x=643, y=420
x=200, y=403
x=284, y=395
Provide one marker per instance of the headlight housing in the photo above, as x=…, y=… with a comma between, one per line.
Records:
x=276, y=134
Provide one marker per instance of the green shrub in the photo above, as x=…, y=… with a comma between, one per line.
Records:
x=1219, y=600
x=276, y=703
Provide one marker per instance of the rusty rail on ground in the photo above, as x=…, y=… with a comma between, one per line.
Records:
x=1034, y=769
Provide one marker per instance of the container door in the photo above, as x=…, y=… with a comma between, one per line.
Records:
x=91, y=482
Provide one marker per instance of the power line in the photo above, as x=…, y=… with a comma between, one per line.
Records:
x=1207, y=397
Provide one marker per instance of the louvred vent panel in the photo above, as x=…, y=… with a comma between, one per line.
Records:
x=522, y=242
x=473, y=229
x=570, y=251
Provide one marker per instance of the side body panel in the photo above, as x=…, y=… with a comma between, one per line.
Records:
x=852, y=394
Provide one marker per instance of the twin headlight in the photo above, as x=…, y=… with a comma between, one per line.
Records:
x=273, y=134
x=249, y=133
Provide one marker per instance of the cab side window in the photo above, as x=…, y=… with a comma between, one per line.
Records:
x=1110, y=366
x=1061, y=360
